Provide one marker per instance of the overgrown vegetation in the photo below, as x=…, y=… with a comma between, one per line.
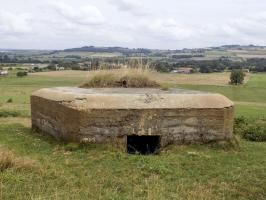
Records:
x=129, y=78
x=255, y=133
x=10, y=100
x=22, y=73
x=8, y=160
x=250, y=129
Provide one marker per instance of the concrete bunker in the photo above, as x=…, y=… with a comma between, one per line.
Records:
x=144, y=118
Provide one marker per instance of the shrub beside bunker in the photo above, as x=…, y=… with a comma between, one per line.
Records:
x=249, y=129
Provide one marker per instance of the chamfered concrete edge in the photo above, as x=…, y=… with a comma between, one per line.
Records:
x=83, y=99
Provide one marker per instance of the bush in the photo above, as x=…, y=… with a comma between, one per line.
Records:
x=240, y=124
x=22, y=73
x=255, y=133
x=205, y=69
x=37, y=69
x=7, y=113
x=237, y=77
x=249, y=129
x=51, y=67
x=10, y=100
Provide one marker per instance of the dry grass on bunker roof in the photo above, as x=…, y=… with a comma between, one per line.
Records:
x=128, y=78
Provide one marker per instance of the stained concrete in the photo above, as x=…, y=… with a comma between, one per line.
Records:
x=108, y=115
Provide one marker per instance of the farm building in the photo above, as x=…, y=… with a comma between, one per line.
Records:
x=3, y=72
x=31, y=66
x=59, y=68
x=183, y=70
x=132, y=118
x=246, y=70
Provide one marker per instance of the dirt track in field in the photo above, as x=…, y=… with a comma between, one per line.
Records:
x=16, y=120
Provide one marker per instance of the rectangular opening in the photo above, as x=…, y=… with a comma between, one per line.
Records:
x=144, y=145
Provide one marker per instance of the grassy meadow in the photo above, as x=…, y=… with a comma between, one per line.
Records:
x=35, y=166
x=250, y=99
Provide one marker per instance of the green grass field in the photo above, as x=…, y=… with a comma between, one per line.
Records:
x=251, y=95
x=45, y=169
x=19, y=89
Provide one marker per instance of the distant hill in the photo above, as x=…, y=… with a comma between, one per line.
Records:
x=109, y=50
x=238, y=47
x=124, y=50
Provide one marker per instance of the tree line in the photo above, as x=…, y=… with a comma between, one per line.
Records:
x=161, y=65
x=209, y=66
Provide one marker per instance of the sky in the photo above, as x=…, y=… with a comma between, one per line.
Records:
x=156, y=24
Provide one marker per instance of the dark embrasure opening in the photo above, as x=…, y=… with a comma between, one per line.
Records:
x=144, y=145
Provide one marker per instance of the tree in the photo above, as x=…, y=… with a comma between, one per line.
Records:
x=237, y=77
x=37, y=69
x=51, y=67
x=22, y=73
x=162, y=66
x=6, y=58
x=205, y=69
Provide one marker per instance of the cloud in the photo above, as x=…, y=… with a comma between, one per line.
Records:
x=249, y=29
x=169, y=29
x=87, y=15
x=134, y=7
x=250, y=25
x=163, y=29
x=14, y=24
x=132, y=23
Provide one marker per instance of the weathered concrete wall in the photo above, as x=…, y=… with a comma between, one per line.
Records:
x=70, y=121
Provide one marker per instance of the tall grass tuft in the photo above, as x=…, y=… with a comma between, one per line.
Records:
x=131, y=78
x=9, y=160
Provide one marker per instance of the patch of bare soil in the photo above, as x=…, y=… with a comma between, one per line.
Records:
x=16, y=120
x=65, y=73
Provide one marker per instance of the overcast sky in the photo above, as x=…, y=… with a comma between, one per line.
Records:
x=162, y=24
